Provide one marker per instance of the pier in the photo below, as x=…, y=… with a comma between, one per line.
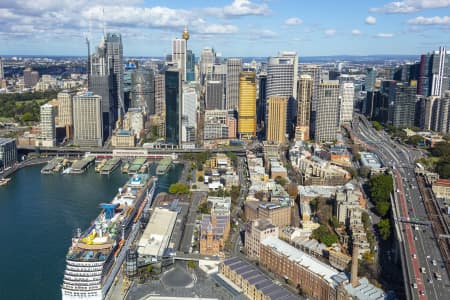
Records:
x=136, y=165
x=53, y=166
x=80, y=166
x=110, y=166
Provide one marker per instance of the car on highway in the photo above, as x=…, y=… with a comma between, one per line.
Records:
x=434, y=262
x=414, y=256
x=422, y=293
x=414, y=285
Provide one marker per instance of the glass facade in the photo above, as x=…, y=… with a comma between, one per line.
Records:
x=173, y=105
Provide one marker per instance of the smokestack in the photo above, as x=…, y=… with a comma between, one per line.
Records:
x=354, y=271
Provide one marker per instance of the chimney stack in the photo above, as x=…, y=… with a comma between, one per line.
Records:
x=354, y=271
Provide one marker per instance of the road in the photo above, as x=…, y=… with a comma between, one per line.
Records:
x=420, y=244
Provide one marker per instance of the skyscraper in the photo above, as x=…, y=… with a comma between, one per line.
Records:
x=234, y=67
x=276, y=119
x=189, y=112
x=190, y=66
x=370, y=79
x=87, y=120
x=65, y=111
x=430, y=116
x=314, y=71
x=347, y=94
x=247, y=105
x=114, y=51
x=179, y=56
x=282, y=75
x=48, y=128
x=444, y=114
x=207, y=59
x=173, y=105
x=261, y=105
x=404, y=105
x=304, y=97
x=327, y=114
x=214, y=94
x=143, y=90
x=434, y=74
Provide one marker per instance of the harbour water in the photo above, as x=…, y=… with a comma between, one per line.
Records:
x=38, y=215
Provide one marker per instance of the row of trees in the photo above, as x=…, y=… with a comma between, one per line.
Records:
x=380, y=189
x=179, y=188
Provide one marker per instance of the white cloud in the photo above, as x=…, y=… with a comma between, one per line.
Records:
x=293, y=21
x=370, y=20
x=217, y=29
x=356, y=32
x=330, y=32
x=266, y=33
x=410, y=6
x=384, y=35
x=445, y=20
x=240, y=8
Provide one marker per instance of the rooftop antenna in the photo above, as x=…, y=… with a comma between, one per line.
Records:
x=104, y=23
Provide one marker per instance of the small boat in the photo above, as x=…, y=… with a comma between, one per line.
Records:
x=4, y=181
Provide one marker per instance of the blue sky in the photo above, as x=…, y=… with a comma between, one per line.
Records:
x=233, y=27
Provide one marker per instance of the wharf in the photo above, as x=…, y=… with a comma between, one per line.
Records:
x=164, y=166
x=110, y=166
x=80, y=166
x=53, y=166
x=136, y=165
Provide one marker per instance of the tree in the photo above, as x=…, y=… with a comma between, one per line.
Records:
x=414, y=140
x=365, y=220
x=27, y=117
x=380, y=187
x=259, y=195
x=232, y=156
x=280, y=180
x=201, y=178
x=383, y=207
x=384, y=227
x=191, y=264
x=324, y=235
x=364, y=172
x=292, y=190
x=204, y=208
x=314, y=203
x=377, y=125
x=189, y=177
x=178, y=188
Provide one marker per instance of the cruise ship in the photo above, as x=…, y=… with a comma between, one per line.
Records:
x=96, y=254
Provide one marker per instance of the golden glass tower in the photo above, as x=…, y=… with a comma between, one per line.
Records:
x=247, y=105
x=276, y=119
x=304, y=97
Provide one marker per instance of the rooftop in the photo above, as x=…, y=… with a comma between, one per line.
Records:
x=314, y=265
x=156, y=236
x=252, y=275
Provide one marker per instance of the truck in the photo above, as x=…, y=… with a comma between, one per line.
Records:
x=437, y=275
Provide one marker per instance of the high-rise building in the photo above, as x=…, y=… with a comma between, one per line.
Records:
x=327, y=114
x=48, y=128
x=404, y=105
x=282, y=75
x=261, y=103
x=430, y=115
x=189, y=115
x=30, y=77
x=173, y=106
x=214, y=94
x=179, y=56
x=114, y=51
x=276, y=119
x=143, y=91
x=65, y=111
x=314, y=71
x=370, y=79
x=444, y=114
x=190, y=66
x=347, y=95
x=207, y=59
x=234, y=67
x=87, y=120
x=247, y=105
x=434, y=74
x=304, y=98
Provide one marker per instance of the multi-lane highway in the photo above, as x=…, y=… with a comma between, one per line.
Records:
x=422, y=257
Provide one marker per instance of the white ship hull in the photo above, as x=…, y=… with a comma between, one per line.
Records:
x=77, y=295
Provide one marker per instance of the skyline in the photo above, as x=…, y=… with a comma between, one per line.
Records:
x=232, y=28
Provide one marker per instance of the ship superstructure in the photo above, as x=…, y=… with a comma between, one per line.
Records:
x=95, y=256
